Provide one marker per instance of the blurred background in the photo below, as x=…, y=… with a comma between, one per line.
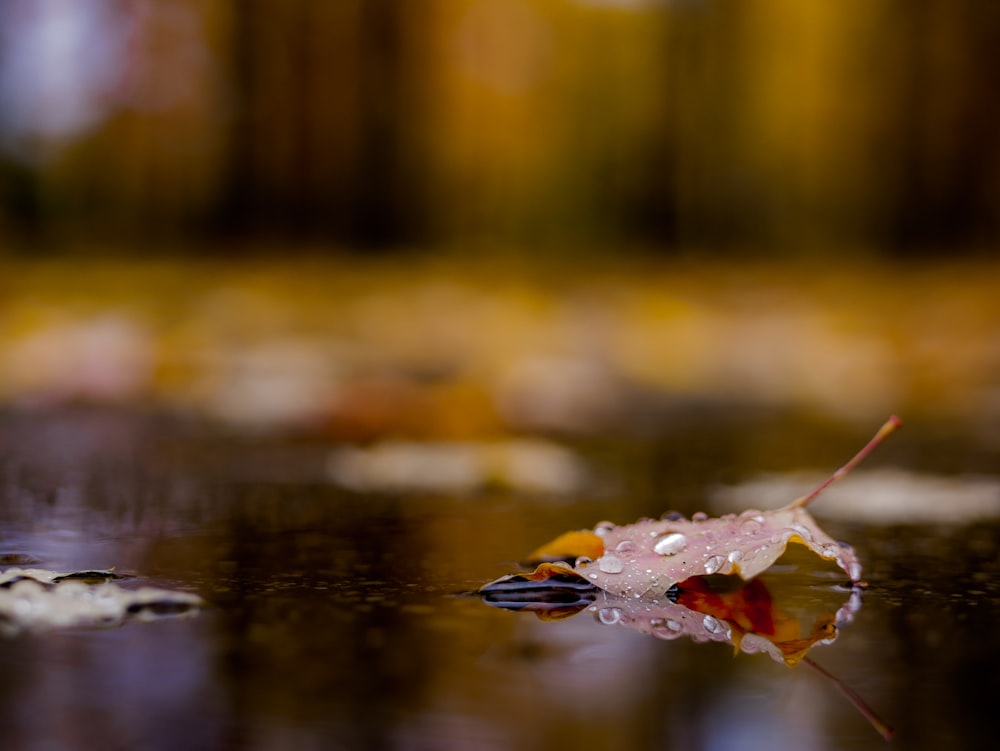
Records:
x=465, y=216
x=767, y=127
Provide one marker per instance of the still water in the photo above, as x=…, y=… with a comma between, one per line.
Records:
x=337, y=620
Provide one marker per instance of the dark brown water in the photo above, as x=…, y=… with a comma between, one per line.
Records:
x=335, y=620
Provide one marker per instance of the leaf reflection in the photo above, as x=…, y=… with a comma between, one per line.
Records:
x=777, y=613
x=760, y=615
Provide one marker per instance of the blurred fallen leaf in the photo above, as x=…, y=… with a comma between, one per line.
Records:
x=880, y=496
x=39, y=599
x=532, y=466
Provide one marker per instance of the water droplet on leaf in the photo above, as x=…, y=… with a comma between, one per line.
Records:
x=625, y=546
x=713, y=625
x=609, y=616
x=670, y=544
x=802, y=532
x=855, y=571
x=665, y=628
x=714, y=563
x=610, y=564
x=602, y=528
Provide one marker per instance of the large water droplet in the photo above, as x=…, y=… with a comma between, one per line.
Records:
x=803, y=532
x=665, y=628
x=610, y=564
x=699, y=516
x=713, y=625
x=625, y=546
x=670, y=544
x=750, y=527
x=714, y=563
x=735, y=556
x=583, y=560
x=609, y=616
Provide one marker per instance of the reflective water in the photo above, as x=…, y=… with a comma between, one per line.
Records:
x=335, y=620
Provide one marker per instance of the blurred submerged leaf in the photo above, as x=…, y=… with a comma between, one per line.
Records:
x=38, y=599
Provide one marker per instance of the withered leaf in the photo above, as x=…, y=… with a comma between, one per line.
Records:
x=656, y=576
x=647, y=558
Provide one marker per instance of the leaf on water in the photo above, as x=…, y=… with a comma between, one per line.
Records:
x=661, y=578
x=32, y=599
x=647, y=558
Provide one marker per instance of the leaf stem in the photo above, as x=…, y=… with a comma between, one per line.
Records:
x=889, y=427
x=854, y=697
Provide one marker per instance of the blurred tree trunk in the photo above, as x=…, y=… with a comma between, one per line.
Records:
x=947, y=115
x=317, y=131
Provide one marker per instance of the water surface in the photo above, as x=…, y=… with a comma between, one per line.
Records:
x=336, y=620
